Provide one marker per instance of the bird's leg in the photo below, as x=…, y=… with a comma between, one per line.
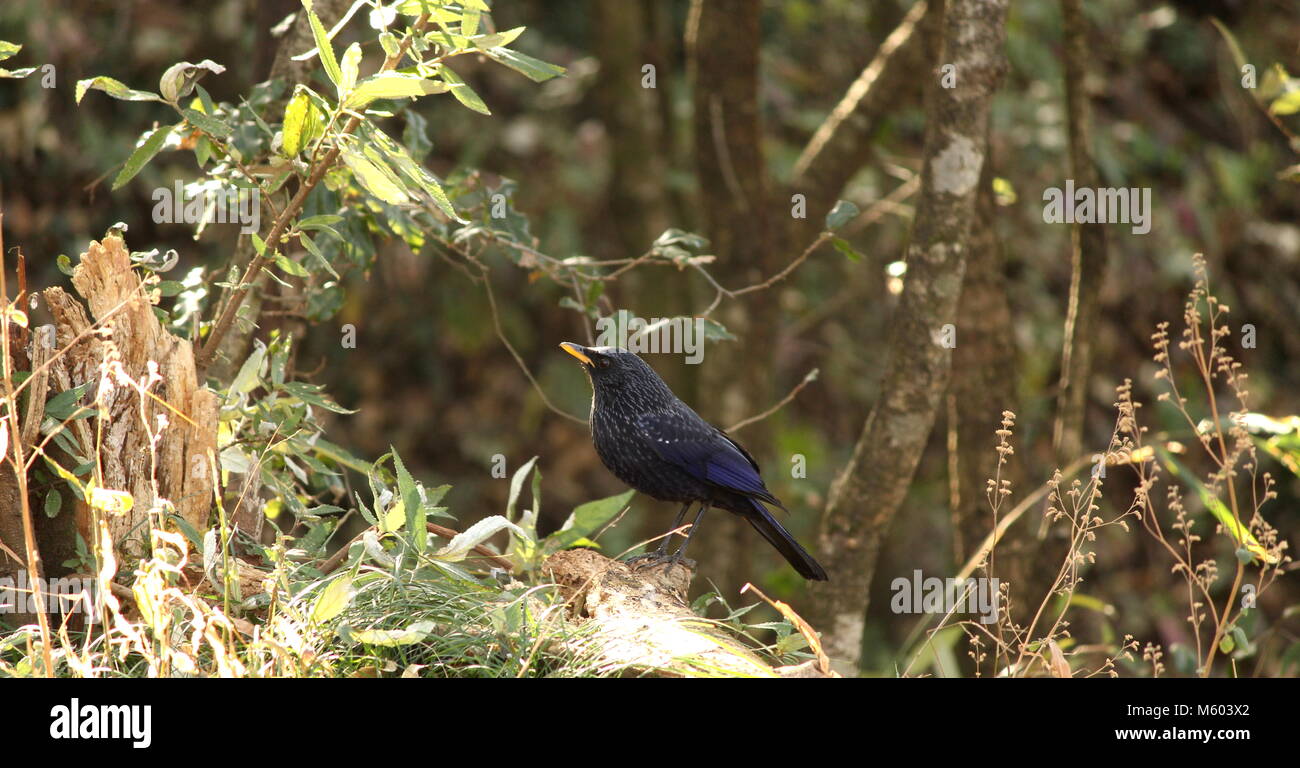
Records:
x=681, y=515
x=695, y=525
x=661, y=552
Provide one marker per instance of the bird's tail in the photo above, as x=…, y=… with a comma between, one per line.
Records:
x=779, y=537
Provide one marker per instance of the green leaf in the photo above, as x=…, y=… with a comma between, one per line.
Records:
x=8, y=49
x=413, y=172
x=113, y=88
x=434, y=495
x=142, y=155
x=349, y=67
x=392, y=85
x=206, y=123
x=1240, y=533
x=339, y=455
x=64, y=404
x=322, y=221
x=517, y=485
x=843, y=247
x=323, y=48
x=498, y=39
x=459, y=547
x=469, y=23
x=715, y=331
x=463, y=93
x=289, y=266
x=410, y=502
x=203, y=151
x=374, y=179
x=586, y=520
x=315, y=251
x=248, y=377
x=841, y=214
x=433, y=7
x=53, y=502
x=394, y=637
x=333, y=600
x=534, y=69
x=169, y=288
x=311, y=394
x=297, y=124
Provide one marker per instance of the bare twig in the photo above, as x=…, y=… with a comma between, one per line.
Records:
x=807, y=379
x=35, y=571
x=501, y=334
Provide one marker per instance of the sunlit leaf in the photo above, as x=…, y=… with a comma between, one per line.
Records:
x=113, y=88
x=463, y=93
x=374, y=179
x=459, y=547
x=392, y=85
x=323, y=48
x=333, y=600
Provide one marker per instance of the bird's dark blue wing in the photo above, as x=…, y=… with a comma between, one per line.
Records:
x=681, y=437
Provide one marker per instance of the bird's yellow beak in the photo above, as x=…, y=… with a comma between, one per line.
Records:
x=577, y=351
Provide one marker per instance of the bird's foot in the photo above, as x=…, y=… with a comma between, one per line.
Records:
x=659, y=560
x=638, y=561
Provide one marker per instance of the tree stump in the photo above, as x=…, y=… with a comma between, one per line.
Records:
x=155, y=445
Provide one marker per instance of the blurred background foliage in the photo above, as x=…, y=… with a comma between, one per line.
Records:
x=429, y=377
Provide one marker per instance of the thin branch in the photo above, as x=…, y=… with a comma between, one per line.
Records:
x=227, y=318
x=808, y=379
x=501, y=334
x=34, y=569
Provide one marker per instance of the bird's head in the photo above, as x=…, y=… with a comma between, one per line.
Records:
x=612, y=369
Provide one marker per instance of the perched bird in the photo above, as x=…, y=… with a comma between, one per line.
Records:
x=656, y=444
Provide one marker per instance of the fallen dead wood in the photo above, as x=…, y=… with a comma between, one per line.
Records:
x=639, y=618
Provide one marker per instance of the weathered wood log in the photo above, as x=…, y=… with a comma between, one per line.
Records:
x=639, y=619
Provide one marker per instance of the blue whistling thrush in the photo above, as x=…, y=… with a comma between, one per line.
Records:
x=656, y=444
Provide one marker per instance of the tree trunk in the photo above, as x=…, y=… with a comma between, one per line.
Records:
x=154, y=449
x=722, y=40
x=1088, y=262
x=157, y=447
x=983, y=377
x=871, y=487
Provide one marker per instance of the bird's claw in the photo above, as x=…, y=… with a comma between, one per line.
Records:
x=637, y=561
x=655, y=559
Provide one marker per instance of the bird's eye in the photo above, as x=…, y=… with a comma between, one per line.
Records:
x=603, y=362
